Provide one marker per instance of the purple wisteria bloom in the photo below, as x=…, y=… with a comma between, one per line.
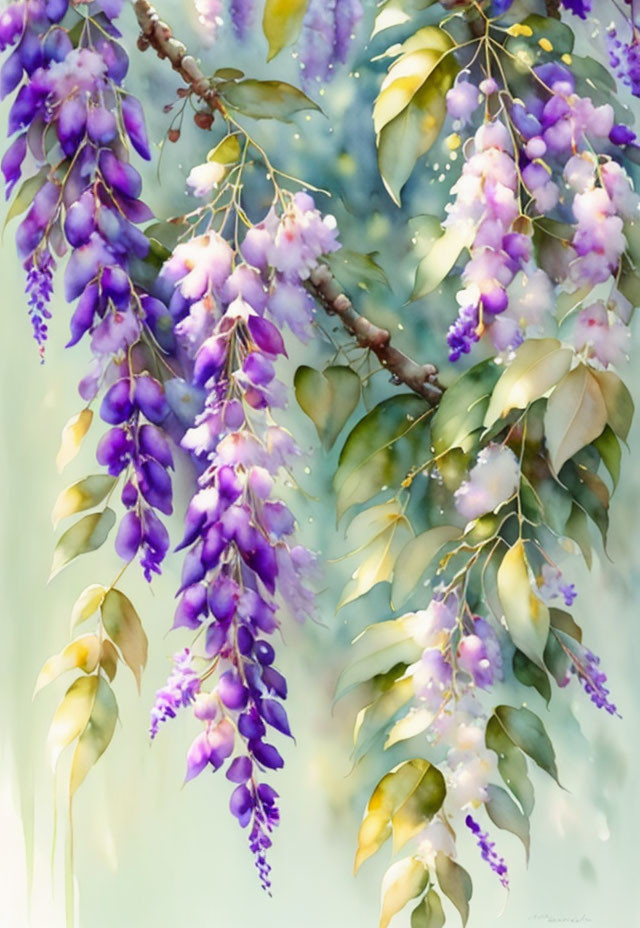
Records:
x=179, y=691
x=487, y=850
x=241, y=565
x=325, y=40
x=586, y=665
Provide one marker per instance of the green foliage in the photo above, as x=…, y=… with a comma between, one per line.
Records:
x=88, y=534
x=328, y=397
x=455, y=883
x=85, y=494
x=266, y=99
x=526, y=616
x=429, y=912
x=402, y=882
x=282, y=22
x=462, y=409
x=504, y=813
x=441, y=258
x=512, y=763
x=123, y=625
x=381, y=448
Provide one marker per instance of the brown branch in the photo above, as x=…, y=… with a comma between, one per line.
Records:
x=552, y=8
x=421, y=378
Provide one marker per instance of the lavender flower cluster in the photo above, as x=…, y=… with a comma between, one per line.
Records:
x=71, y=118
x=241, y=561
x=327, y=32
x=547, y=142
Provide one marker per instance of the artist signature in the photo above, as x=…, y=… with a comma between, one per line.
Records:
x=562, y=920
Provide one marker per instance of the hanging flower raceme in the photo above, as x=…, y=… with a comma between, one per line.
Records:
x=327, y=31
x=241, y=562
x=88, y=203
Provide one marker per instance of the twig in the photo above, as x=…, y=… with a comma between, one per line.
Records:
x=421, y=378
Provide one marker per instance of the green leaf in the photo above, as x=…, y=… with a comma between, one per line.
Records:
x=96, y=736
x=618, y=401
x=576, y=415
x=379, y=552
x=529, y=674
x=463, y=406
x=396, y=13
x=81, y=654
x=414, y=130
x=526, y=616
x=512, y=764
x=25, y=195
x=556, y=659
x=72, y=434
x=355, y=269
x=71, y=716
x=429, y=912
x=415, y=557
x=444, y=253
x=527, y=48
x=537, y=366
x=87, y=603
x=402, y=804
x=282, y=22
x=109, y=658
x=328, y=397
x=85, y=494
x=577, y=529
x=376, y=650
x=590, y=493
x=565, y=622
x=227, y=151
x=505, y=814
x=88, y=534
x=527, y=732
x=380, y=449
x=266, y=99
x=455, y=883
x=608, y=448
x=403, y=881
x=375, y=719
x=122, y=624
x=228, y=74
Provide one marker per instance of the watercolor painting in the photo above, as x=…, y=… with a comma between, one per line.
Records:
x=320, y=565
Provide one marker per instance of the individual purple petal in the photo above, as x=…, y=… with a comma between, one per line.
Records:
x=213, y=546
x=223, y=598
x=129, y=536
x=267, y=794
x=209, y=360
x=12, y=162
x=274, y=681
x=72, y=121
x=241, y=805
x=240, y=770
x=101, y=125
x=56, y=9
x=114, y=451
x=266, y=754
x=278, y=519
x=129, y=495
x=193, y=569
x=117, y=406
x=116, y=285
x=221, y=740
x=155, y=486
x=115, y=58
x=232, y=691
x=198, y=756
x=264, y=653
x=275, y=715
x=191, y=608
x=250, y=725
x=23, y=109
x=153, y=443
x=134, y=123
x=120, y=176
x=83, y=266
x=80, y=223
x=150, y=398
x=57, y=45
x=10, y=74
x=83, y=315
x=215, y=639
x=266, y=336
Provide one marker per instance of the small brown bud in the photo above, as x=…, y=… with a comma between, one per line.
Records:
x=203, y=120
x=173, y=135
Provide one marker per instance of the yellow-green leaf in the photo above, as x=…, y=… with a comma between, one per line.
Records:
x=25, y=195
x=86, y=535
x=379, y=648
x=444, y=253
x=71, y=716
x=504, y=813
x=402, y=803
x=428, y=913
x=378, y=554
x=538, y=365
x=87, y=603
x=526, y=616
x=414, y=723
x=96, y=735
x=455, y=883
x=618, y=402
x=81, y=654
x=376, y=717
x=415, y=558
x=404, y=880
x=227, y=151
x=266, y=99
x=576, y=415
x=122, y=624
x=282, y=22
x=328, y=397
x=85, y=494
x=109, y=658
x=72, y=435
